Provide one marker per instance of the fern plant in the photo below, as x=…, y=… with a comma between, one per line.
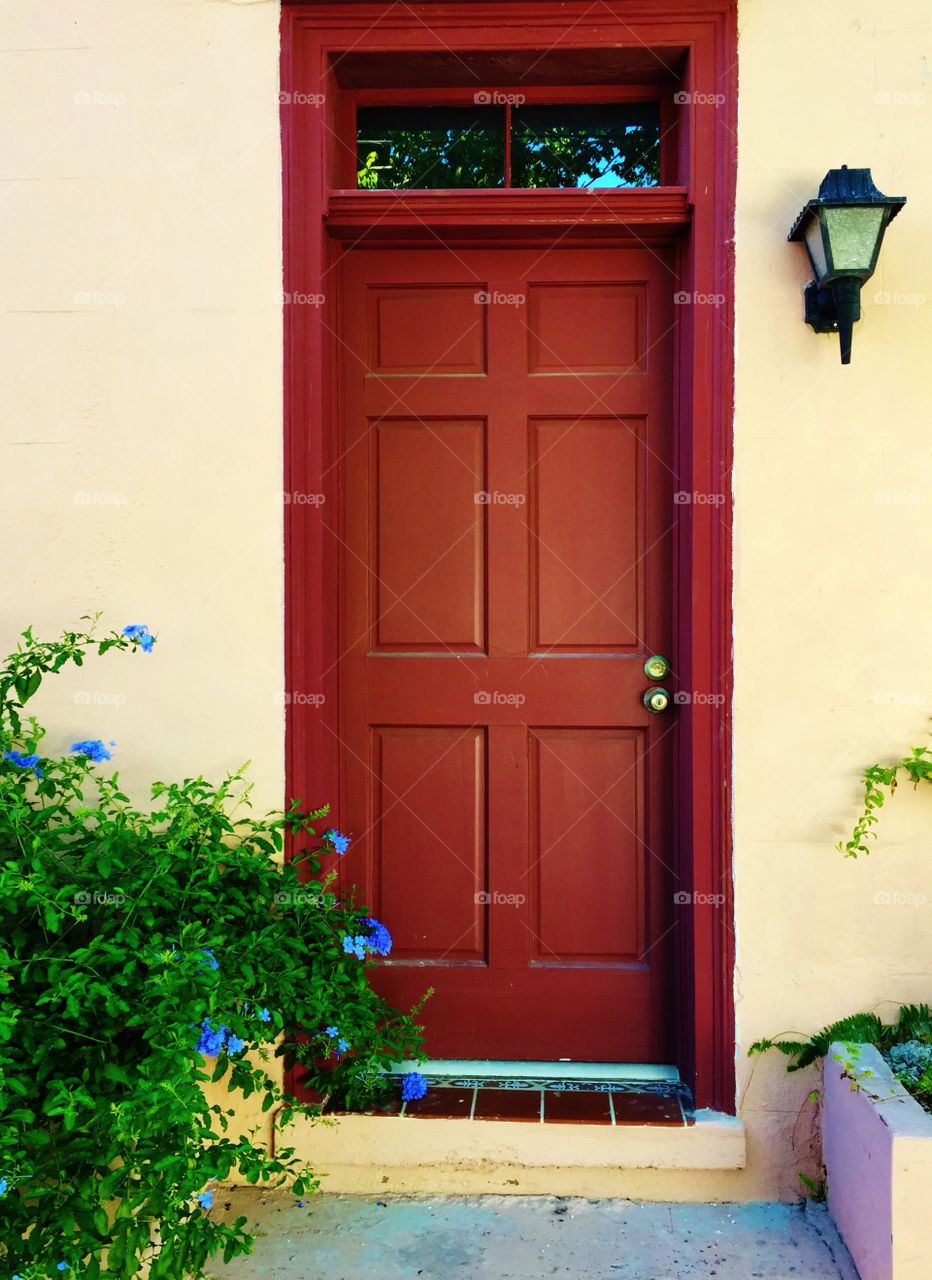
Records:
x=914, y=1022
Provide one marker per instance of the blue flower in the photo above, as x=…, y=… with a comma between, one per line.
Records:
x=331, y=1032
x=235, y=1044
x=206, y=1199
x=139, y=631
x=62, y=1266
x=264, y=1015
x=355, y=945
x=413, y=1086
x=24, y=762
x=93, y=748
x=339, y=841
x=342, y=1045
x=3, y=1186
x=380, y=940
x=212, y=961
x=211, y=1041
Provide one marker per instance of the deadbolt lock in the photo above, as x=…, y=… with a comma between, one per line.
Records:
x=656, y=700
x=657, y=667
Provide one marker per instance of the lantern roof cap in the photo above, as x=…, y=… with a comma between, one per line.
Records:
x=841, y=187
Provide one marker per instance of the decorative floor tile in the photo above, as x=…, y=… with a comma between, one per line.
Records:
x=508, y=1104
x=573, y=1106
x=646, y=1108
x=450, y=1104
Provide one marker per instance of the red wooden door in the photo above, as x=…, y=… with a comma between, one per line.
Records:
x=505, y=571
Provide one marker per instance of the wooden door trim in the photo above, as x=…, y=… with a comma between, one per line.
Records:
x=506, y=213
x=313, y=36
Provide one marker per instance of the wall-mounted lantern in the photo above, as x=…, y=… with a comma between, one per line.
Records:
x=842, y=230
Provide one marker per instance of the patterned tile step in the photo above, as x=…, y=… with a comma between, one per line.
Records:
x=548, y=1102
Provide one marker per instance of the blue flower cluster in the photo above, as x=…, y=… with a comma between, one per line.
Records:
x=93, y=748
x=212, y=961
x=206, y=1199
x=339, y=841
x=378, y=940
x=413, y=1086
x=341, y=1045
x=139, y=631
x=24, y=762
x=212, y=1040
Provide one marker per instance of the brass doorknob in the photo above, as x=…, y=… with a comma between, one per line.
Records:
x=656, y=667
x=656, y=700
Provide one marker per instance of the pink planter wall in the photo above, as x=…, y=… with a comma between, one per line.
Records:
x=877, y=1144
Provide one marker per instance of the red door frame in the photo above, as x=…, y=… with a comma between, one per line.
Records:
x=314, y=37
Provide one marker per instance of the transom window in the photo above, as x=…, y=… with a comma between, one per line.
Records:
x=511, y=145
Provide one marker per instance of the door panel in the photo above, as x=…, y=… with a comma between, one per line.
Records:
x=505, y=552
x=426, y=476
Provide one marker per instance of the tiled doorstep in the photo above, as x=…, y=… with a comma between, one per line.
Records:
x=555, y=1102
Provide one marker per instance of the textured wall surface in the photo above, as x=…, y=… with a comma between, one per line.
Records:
x=142, y=353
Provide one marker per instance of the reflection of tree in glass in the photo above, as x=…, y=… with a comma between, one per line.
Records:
x=582, y=146
x=431, y=147
x=553, y=146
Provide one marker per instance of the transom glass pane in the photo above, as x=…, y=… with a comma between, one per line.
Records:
x=430, y=147
x=610, y=145
x=569, y=145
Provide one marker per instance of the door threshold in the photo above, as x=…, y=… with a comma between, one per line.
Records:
x=589, y=1093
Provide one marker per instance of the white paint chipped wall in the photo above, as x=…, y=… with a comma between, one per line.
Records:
x=142, y=352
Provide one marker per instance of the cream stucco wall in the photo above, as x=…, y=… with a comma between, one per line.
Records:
x=142, y=456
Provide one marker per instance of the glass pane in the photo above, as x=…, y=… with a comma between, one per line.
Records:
x=608, y=145
x=852, y=235
x=430, y=147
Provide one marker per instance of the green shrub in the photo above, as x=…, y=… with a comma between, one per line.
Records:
x=143, y=953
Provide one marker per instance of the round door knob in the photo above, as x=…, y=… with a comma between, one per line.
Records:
x=656, y=667
x=656, y=700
